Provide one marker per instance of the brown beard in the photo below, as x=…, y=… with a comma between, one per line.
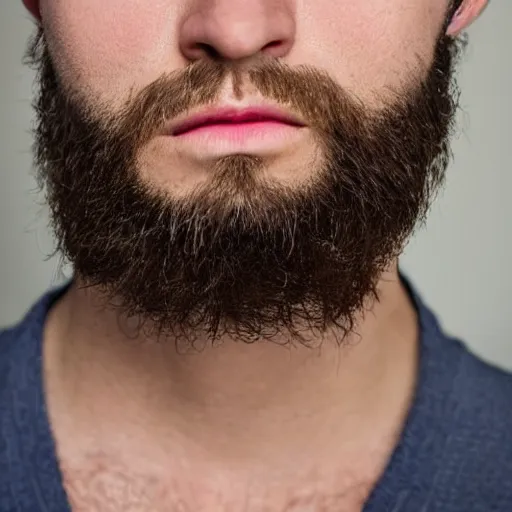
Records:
x=241, y=256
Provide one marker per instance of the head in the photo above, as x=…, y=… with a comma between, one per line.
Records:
x=284, y=231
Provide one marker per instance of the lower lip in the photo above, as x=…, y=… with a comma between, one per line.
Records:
x=260, y=137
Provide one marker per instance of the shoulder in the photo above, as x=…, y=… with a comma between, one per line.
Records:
x=19, y=344
x=460, y=430
x=31, y=325
x=13, y=337
x=8, y=397
x=20, y=350
x=21, y=403
x=482, y=396
x=8, y=339
x=477, y=459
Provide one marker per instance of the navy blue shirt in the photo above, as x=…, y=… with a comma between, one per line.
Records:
x=455, y=452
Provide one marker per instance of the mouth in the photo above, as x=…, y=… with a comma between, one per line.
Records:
x=227, y=130
x=235, y=118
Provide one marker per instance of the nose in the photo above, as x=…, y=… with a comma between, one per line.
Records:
x=237, y=30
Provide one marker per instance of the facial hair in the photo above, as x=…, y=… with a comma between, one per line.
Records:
x=243, y=256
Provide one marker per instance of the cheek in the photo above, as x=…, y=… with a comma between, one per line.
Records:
x=104, y=48
x=372, y=45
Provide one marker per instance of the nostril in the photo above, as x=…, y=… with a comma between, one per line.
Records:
x=273, y=44
x=199, y=51
x=208, y=50
x=276, y=48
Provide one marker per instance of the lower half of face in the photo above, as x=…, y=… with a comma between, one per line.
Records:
x=253, y=225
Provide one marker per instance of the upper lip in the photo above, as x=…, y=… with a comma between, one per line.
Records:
x=233, y=115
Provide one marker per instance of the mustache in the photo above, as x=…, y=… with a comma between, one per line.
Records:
x=309, y=92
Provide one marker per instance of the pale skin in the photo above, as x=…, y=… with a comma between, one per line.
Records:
x=303, y=424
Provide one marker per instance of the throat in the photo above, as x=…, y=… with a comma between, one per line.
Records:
x=324, y=420
x=256, y=404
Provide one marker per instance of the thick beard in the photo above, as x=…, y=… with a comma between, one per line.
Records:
x=241, y=256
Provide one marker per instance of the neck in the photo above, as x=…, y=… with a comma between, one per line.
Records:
x=258, y=401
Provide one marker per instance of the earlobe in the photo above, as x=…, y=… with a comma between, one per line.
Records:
x=33, y=8
x=467, y=12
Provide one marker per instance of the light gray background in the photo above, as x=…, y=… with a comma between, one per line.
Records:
x=460, y=262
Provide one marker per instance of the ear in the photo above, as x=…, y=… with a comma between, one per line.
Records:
x=468, y=12
x=33, y=8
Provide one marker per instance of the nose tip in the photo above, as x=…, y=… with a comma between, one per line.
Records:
x=237, y=29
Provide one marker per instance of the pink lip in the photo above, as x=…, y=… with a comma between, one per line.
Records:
x=234, y=117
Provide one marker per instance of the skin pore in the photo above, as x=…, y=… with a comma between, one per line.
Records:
x=263, y=425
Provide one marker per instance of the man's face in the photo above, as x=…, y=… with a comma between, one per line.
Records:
x=244, y=236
